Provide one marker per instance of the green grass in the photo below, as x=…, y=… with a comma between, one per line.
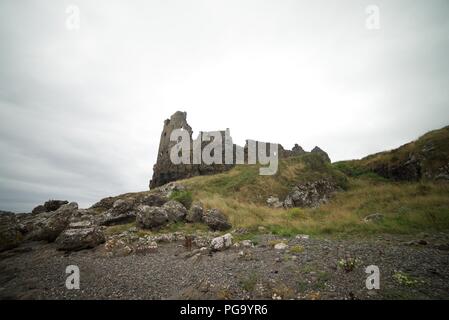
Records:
x=296, y=249
x=405, y=279
x=249, y=282
x=407, y=208
x=182, y=196
x=435, y=142
x=245, y=184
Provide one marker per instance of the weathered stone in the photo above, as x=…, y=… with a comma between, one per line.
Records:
x=151, y=217
x=39, y=209
x=155, y=199
x=246, y=243
x=216, y=220
x=80, y=224
x=195, y=213
x=104, y=204
x=47, y=226
x=165, y=171
x=49, y=206
x=273, y=202
x=221, y=243
x=10, y=236
x=375, y=217
x=53, y=205
x=175, y=210
x=310, y=194
x=280, y=246
x=80, y=238
x=121, y=212
x=167, y=189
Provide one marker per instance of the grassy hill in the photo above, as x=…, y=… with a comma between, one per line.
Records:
x=407, y=206
x=424, y=159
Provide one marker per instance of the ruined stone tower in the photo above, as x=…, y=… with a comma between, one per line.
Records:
x=165, y=171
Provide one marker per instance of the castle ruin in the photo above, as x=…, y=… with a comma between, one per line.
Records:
x=164, y=171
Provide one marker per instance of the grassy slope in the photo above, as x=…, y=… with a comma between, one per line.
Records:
x=408, y=207
x=434, y=159
x=241, y=193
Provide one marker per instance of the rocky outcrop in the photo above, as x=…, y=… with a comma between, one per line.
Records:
x=80, y=238
x=10, y=235
x=216, y=220
x=424, y=159
x=310, y=194
x=122, y=211
x=151, y=217
x=175, y=210
x=47, y=226
x=195, y=213
x=49, y=206
x=155, y=199
x=104, y=204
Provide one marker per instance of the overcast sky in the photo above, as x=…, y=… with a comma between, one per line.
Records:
x=82, y=110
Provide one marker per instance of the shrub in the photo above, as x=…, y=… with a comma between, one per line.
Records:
x=184, y=197
x=405, y=279
x=348, y=264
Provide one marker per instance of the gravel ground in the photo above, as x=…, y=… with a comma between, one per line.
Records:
x=311, y=268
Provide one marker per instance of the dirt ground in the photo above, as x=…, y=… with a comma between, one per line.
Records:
x=313, y=268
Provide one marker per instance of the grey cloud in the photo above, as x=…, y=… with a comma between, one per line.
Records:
x=81, y=112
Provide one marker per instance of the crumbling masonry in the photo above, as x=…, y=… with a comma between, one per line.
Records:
x=165, y=171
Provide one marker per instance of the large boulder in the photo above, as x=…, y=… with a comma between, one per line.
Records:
x=47, y=226
x=53, y=205
x=151, y=217
x=175, y=210
x=49, y=206
x=104, y=204
x=122, y=211
x=80, y=238
x=38, y=209
x=195, y=213
x=216, y=220
x=310, y=194
x=10, y=236
x=154, y=199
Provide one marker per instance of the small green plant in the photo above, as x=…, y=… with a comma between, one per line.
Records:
x=405, y=279
x=249, y=283
x=182, y=196
x=296, y=249
x=348, y=264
